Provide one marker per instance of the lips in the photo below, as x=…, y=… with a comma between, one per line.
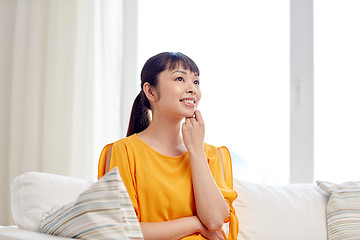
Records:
x=189, y=102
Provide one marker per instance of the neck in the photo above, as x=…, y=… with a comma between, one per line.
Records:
x=163, y=131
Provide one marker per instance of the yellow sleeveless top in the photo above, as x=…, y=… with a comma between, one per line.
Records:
x=160, y=187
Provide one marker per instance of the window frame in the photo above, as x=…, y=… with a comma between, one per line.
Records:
x=301, y=91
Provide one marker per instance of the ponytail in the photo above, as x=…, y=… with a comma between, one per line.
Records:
x=139, y=119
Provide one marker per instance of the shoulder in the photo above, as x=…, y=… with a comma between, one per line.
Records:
x=127, y=146
x=212, y=149
x=209, y=147
x=124, y=142
x=123, y=152
x=217, y=154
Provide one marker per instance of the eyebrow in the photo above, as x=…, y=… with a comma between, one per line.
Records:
x=180, y=71
x=184, y=72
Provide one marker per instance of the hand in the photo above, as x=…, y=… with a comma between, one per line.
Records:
x=193, y=131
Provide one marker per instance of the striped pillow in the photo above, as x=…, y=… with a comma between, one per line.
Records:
x=103, y=211
x=343, y=210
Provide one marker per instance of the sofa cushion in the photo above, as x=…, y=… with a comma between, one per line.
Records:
x=343, y=210
x=294, y=211
x=15, y=233
x=34, y=193
x=103, y=211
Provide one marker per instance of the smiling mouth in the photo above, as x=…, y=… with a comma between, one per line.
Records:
x=188, y=101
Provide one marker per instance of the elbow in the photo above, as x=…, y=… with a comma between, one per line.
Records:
x=214, y=226
x=214, y=220
x=214, y=223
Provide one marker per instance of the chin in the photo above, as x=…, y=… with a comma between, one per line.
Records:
x=190, y=114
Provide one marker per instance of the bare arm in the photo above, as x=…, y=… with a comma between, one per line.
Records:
x=211, y=207
x=177, y=229
x=107, y=161
x=174, y=229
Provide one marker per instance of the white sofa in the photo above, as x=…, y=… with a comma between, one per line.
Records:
x=290, y=212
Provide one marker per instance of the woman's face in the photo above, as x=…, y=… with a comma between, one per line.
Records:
x=178, y=92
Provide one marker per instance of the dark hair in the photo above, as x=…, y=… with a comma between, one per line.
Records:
x=140, y=119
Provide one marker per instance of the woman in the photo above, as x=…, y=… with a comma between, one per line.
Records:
x=175, y=181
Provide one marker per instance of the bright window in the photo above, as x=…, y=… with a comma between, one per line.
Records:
x=337, y=89
x=242, y=50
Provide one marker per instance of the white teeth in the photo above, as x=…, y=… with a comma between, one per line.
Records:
x=189, y=101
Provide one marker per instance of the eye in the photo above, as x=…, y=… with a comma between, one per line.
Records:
x=179, y=79
x=197, y=82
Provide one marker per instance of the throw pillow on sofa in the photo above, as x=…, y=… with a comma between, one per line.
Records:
x=103, y=211
x=294, y=211
x=343, y=210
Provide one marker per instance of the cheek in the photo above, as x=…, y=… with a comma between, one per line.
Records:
x=175, y=92
x=170, y=95
x=198, y=97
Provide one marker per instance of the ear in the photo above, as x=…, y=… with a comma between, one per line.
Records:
x=150, y=92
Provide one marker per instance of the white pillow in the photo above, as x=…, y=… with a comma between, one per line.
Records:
x=294, y=211
x=33, y=193
x=103, y=211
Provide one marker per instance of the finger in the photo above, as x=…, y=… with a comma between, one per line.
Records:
x=198, y=116
x=193, y=120
x=223, y=236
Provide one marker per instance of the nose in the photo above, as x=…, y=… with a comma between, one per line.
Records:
x=191, y=89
